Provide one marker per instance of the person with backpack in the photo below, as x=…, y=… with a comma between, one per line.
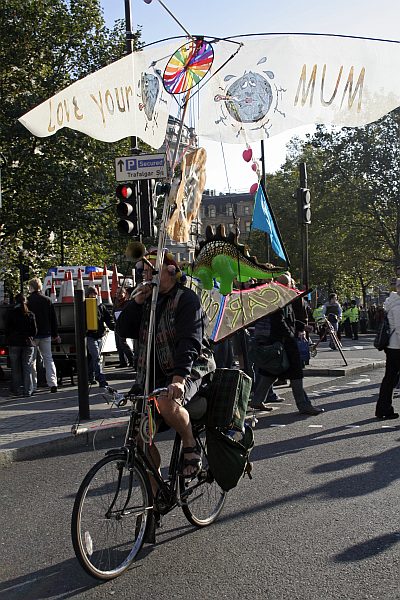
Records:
x=20, y=329
x=384, y=407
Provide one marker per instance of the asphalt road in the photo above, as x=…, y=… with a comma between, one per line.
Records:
x=319, y=521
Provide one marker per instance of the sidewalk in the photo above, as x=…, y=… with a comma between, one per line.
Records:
x=42, y=424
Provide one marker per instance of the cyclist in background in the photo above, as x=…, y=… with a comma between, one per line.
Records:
x=333, y=312
x=181, y=358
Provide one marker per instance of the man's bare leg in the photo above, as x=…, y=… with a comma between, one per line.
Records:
x=177, y=417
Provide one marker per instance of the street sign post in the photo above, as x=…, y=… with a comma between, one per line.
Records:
x=140, y=166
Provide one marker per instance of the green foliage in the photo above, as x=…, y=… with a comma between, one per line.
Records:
x=354, y=177
x=63, y=186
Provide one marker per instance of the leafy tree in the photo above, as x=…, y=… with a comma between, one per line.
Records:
x=56, y=190
x=354, y=177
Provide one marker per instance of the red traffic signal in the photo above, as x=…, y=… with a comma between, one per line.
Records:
x=124, y=191
x=127, y=209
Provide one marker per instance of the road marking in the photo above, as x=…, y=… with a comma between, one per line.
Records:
x=277, y=425
x=352, y=426
x=316, y=426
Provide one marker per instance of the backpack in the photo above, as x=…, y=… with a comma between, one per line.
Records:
x=383, y=334
x=228, y=454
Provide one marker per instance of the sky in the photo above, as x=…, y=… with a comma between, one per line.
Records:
x=221, y=18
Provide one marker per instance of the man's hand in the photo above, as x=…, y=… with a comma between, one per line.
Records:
x=144, y=294
x=176, y=390
x=56, y=339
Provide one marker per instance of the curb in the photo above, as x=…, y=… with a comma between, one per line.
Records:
x=62, y=443
x=86, y=435
x=343, y=371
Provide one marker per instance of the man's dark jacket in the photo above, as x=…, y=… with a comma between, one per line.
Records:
x=46, y=319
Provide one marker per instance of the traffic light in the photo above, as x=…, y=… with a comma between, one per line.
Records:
x=160, y=191
x=127, y=209
x=303, y=206
x=147, y=211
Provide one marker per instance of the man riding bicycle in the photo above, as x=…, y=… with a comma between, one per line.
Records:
x=180, y=356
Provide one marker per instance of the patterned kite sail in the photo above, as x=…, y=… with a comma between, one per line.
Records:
x=187, y=66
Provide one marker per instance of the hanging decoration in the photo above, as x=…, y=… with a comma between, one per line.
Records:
x=187, y=66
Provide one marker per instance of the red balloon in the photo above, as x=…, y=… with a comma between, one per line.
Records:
x=247, y=154
x=254, y=188
x=254, y=166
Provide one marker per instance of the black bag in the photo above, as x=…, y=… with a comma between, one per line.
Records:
x=383, y=334
x=228, y=457
x=271, y=358
x=227, y=398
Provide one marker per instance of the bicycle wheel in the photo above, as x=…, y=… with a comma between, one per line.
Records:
x=203, y=498
x=110, y=516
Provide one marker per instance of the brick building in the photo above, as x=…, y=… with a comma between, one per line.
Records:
x=216, y=209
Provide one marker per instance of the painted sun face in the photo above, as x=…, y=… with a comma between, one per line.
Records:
x=250, y=98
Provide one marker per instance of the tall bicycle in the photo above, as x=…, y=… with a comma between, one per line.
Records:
x=115, y=509
x=327, y=329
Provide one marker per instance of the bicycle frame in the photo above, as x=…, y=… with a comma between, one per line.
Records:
x=326, y=323
x=167, y=489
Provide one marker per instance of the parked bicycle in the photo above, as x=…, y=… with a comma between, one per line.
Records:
x=115, y=508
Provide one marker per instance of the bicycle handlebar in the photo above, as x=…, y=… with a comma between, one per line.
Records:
x=120, y=399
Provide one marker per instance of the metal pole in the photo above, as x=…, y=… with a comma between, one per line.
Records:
x=129, y=50
x=263, y=179
x=62, y=246
x=81, y=357
x=304, y=231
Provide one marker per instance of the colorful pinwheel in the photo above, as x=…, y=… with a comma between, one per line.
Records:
x=187, y=67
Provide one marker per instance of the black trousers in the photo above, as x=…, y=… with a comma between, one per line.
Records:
x=354, y=330
x=392, y=371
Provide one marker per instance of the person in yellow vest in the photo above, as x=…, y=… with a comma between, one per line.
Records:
x=346, y=323
x=354, y=318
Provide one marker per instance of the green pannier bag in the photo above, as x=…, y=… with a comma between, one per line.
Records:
x=228, y=457
x=227, y=398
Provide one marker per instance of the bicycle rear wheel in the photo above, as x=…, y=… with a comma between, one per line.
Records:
x=110, y=516
x=203, y=498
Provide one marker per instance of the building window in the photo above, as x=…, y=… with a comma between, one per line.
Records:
x=211, y=211
x=246, y=209
x=229, y=210
x=247, y=226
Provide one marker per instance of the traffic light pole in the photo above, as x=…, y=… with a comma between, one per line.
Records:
x=304, y=231
x=134, y=145
x=81, y=358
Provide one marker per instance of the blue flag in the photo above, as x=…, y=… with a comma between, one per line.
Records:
x=263, y=219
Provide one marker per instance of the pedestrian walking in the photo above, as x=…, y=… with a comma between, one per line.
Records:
x=281, y=326
x=20, y=330
x=47, y=331
x=384, y=407
x=95, y=341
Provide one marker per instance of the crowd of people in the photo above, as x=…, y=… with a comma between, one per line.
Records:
x=31, y=328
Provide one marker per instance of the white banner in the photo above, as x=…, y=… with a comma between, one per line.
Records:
x=125, y=98
x=274, y=83
x=279, y=82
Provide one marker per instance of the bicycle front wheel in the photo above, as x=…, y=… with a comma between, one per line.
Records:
x=110, y=516
x=202, y=497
